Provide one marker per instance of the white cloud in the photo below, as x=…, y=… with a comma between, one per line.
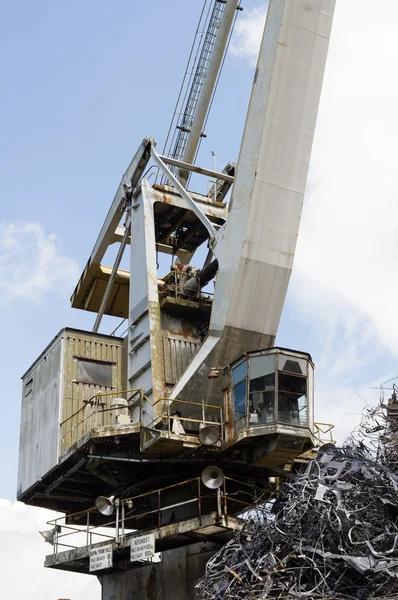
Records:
x=31, y=263
x=344, y=285
x=348, y=241
x=248, y=31
x=344, y=277
x=22, y=554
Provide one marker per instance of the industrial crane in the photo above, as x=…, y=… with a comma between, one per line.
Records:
x=177, y=420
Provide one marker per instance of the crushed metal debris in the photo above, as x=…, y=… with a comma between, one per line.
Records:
x=331, y=532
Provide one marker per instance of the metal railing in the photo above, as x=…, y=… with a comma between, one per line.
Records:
x=152, y=506
x=323, y=432
x=95, y=413
x=168, y=416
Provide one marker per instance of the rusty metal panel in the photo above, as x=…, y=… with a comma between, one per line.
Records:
x=38, y=446
x=145, y=363
x=79, y=414
x=89, y=297
x=162, y=339
x=177, y=355
x=57, y=398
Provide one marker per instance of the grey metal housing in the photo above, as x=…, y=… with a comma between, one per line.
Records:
x=56, y=394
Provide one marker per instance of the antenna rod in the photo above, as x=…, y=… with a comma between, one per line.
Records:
x=208, y=86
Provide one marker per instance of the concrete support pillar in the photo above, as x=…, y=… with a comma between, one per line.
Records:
x=173, y=578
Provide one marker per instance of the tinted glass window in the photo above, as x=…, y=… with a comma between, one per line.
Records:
x=240, y=400
x=262, y=373
x=262, y=390
x=239, y=372
x=93, y=372
x=292, y=364
x=262, y=365
x=261, y=408
x=292, y=384
x=292, y=399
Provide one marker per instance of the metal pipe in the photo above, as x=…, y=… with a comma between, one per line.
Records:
x=112, y=277
x=88, y=530
x=199, y=502
x=149, y=460
x=219, y=505
x=202, y=171
x=208, y=86
x=123, y=517
x=207, y=274
x=117, y=522
x=202, y=278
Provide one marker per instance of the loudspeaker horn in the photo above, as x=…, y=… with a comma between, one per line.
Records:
x=209, y=435
x=212, y=477
x=48, y=536
x=105, y=505
x=326, y=448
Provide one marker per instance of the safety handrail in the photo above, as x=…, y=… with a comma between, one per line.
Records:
x=324, y=428
x=98, y=409
x=182, y=402
x=220, y=496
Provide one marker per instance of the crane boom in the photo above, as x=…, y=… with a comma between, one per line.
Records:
x=256, y=246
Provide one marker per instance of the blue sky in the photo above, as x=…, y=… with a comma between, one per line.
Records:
x=83, y=83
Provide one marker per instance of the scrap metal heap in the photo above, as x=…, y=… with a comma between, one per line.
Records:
x=332, y=532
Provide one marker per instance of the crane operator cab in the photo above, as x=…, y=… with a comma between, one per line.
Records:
x=269, y=402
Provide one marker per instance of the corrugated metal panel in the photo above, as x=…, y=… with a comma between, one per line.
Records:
x=38, y=447
x=57, y=408
x=79, y=414
x=177, y=355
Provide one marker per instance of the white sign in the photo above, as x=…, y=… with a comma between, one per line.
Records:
x=142, y=547
x=101, y=558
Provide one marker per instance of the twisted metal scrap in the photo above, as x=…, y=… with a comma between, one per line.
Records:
x=332, y=531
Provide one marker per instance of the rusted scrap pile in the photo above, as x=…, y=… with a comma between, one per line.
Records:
x=332, y=531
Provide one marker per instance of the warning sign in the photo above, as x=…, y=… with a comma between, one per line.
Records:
x=101, y=558
x=142, y=547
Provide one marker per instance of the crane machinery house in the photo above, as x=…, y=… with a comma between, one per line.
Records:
x=179, y=424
